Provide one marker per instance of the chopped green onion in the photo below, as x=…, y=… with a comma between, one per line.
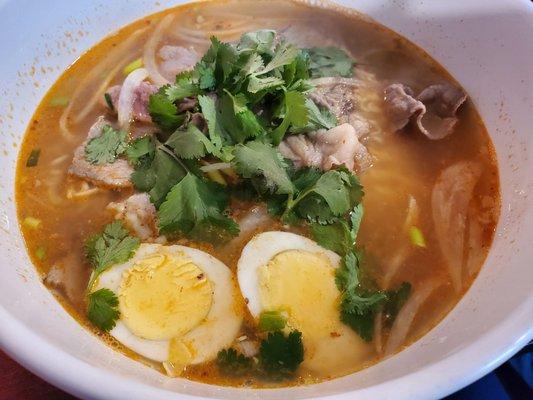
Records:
x=40, y=253
x=132, y=66
x=417, y=237
x=33, y=158
x=272, y=321
x=59, y=101
x=31, y=222
x=108, y=101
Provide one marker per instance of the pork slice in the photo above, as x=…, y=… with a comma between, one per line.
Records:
x=433, y=110
x=176, y=59
x=327, y=148
x=114, y=175
x=140, y=102
x=139, y=215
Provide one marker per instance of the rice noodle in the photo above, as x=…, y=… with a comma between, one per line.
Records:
x=404, y=319
x=115, y=58
x=59, y=160
x=127, y=96
x=149, y=54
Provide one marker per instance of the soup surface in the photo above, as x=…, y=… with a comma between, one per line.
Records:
x=259, y=196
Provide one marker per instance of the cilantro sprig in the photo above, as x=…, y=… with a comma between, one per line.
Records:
x=107, y=147
x=114, y=245
x=102, y=310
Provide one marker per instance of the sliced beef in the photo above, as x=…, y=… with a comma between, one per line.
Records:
x=140, y=102
x=112, y=175
x=327, y=148
x=176, y=59
x=433, y=110
x=139, y=214
x=339, y=96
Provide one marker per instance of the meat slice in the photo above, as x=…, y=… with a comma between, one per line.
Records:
x=140, y=103
x=327, y=148
x=112, y=175
x=139, y=215
x=433, y=110
x=339, y=96
x=176, y=59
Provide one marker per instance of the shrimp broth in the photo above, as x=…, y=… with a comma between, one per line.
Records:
x=412, y=198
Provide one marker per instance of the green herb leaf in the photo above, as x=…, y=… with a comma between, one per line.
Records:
x=140, y=151
x=185, y=86
x=395, y=301
x=107, y=147
x=330, y=61
x=195, y=208
x=281, y=354
x=163, y=111
x=295, y=115
x=114, y=245
x=158, y=175
x=319, y=118
x=232, y=363
x=190, y=143
x=285, y=53
x=33, y=158
x=103, y=309
x=261, y=41
x=256, y=159
x=218, y=135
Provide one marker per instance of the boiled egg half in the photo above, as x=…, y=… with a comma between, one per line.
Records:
x=177, y=305
x=282, y=271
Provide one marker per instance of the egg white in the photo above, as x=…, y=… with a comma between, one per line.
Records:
x=334, y=353
x=260, y=250
x=217, y=331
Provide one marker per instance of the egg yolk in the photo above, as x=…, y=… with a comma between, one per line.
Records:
x=164, y=296
x=302, y=284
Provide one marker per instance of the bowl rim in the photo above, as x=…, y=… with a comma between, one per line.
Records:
x=464, y=367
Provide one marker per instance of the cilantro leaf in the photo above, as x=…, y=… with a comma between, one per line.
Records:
x=190, y=143
x=281, y=354
x=195, y=208
x=158, y=175
x=107, y=147
x=102, y=310
x=295, y=115
x=185, y=86
x=222, y=58
x=358, y=307
x=395, y=301
x=318, y=118
x=325, y=197
x=285, y=53
x=114, y=245
x=237, y=119
x=232, y=363
x=217, y=134
x=256, y=83
x=140, y=150
x=330, y=61
x=261, y=159
x=163, y=111
x=261, y=41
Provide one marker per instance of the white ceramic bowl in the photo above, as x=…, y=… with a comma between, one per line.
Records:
x=485, y=44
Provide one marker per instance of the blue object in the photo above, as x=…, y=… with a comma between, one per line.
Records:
x=511, y=381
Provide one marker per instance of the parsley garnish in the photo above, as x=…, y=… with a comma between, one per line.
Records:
x=107, y=147
x=196, y=208
x=232, y=363
x=103, y=309
x=114, y=245
x=256, y=159
x=330, y=61
x=280, y=355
